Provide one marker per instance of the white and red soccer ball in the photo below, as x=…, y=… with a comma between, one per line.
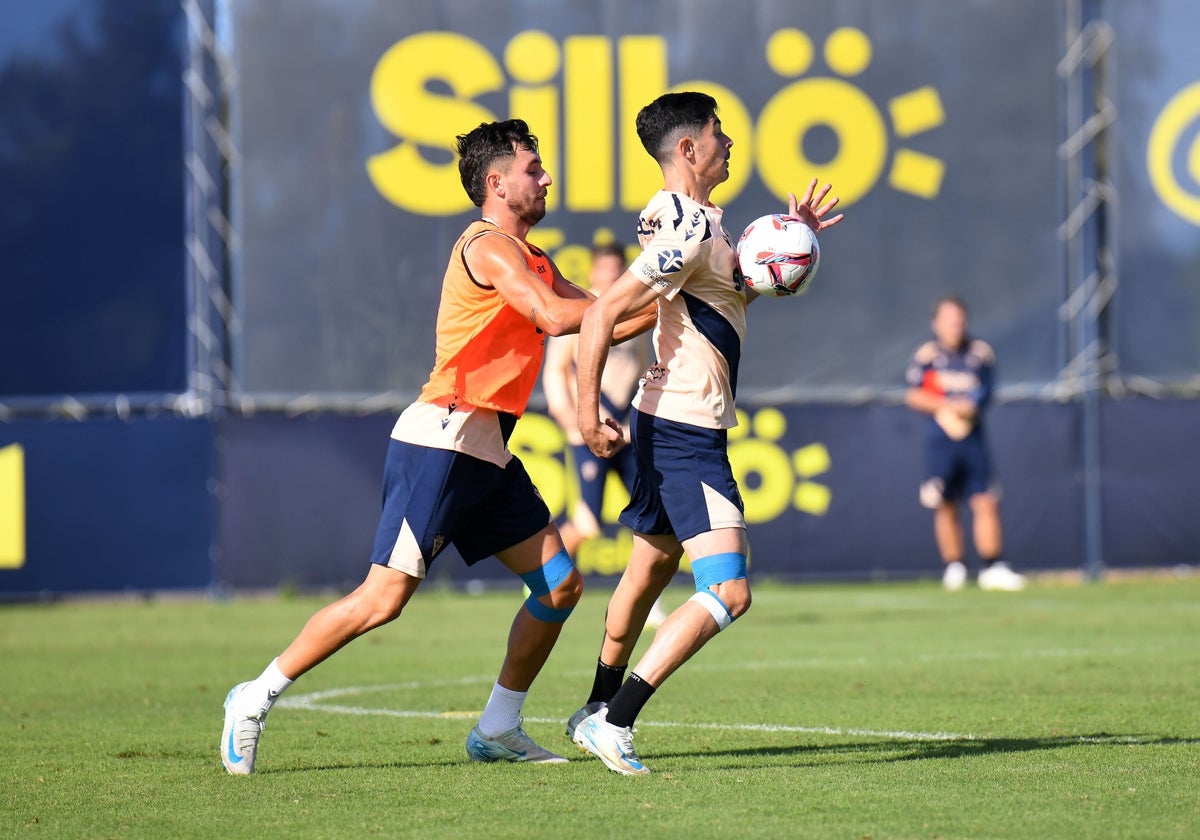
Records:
x=778, y=255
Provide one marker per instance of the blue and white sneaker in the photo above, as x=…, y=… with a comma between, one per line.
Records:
x=577, y=718
x=239, y=738
x=611, y=744
x=513, y=745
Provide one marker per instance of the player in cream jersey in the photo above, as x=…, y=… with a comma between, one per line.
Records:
x=685, y=497
x=688, y=260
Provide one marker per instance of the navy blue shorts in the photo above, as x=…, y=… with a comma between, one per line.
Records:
x=956, y=469
x=435, y=497
x=593, y=473
x=684, y=484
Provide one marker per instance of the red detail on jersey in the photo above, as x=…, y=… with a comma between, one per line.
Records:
x=930, y=383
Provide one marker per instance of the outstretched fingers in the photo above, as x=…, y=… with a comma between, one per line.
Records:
x=810, y=206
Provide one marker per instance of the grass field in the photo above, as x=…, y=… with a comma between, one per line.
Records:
x=871, y=711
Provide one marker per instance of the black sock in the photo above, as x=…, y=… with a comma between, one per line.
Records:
x=625, y=706
x=988, y=562
x=608, y=681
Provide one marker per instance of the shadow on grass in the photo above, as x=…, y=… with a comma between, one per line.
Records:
x=868, y=752
x=809, y=755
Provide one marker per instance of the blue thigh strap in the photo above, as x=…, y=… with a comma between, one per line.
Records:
x=718, y=568
x=546, y=578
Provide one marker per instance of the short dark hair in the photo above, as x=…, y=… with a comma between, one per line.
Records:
x=481, y=147
x=951, y=300
x=608, y=249
x=663, y=121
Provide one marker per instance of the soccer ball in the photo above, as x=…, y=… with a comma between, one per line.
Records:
x=778, y=255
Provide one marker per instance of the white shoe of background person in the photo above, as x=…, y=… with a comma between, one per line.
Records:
x=954, y=577
x=657, y=616
x=998, y=577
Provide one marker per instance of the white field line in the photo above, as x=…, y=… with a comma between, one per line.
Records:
x=315, y=701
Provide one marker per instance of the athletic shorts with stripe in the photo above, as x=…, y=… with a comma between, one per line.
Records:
x=684, y=484
x=956, y=469
x=436, y=497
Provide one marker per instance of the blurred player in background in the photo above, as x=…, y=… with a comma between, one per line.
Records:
x=626, y=363
x=449, y=477
x=951, y=378
x=685, y=496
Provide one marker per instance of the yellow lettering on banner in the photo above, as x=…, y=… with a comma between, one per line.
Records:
x=837, y=105
x=1174, y=127
x=582, y=97
x=421, y=117
x=642, y=63
x=604, y=555
x=12, y=507
x=533, y=58
x=588, y=114
x=538, y=442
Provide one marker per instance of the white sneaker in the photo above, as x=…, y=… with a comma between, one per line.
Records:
x=611, y=744
x=577, y=718
x=998, y=577
x=239, y=738
x=513, y=745
x=657, y=616
x=954, y=577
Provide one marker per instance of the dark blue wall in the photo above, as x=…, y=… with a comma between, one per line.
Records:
x=113, y=505
x=92, y=288
x=301, y=495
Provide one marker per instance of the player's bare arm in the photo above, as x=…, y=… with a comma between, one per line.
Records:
x=628, y=326
x=627, y=297
x=501, y=262
x=636, y=323
x=920, y=399
x=558, y=380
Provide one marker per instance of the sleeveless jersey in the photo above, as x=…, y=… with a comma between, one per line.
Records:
x=488, y=355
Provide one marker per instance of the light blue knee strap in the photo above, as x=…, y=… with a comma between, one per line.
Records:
x=718, y=568
x=712, y=571
x=550, y=615
x=543, y=581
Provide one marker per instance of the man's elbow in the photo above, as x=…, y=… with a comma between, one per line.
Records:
x=556, y=327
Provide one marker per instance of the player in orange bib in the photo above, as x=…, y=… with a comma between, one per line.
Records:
x=449, y=477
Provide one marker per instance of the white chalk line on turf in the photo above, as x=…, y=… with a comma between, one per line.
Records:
x=305, y=702
x=314, y=701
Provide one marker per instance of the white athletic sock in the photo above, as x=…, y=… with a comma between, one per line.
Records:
x=502, y=712
x=263, y=692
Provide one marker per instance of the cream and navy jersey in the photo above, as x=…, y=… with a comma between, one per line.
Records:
x=965, y=372
x=690, y=262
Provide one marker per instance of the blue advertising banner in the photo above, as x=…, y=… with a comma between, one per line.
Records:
x=1151, y=482
x=105, y=506
x=941, y=146
x=1156, y=328
x=830, y=493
